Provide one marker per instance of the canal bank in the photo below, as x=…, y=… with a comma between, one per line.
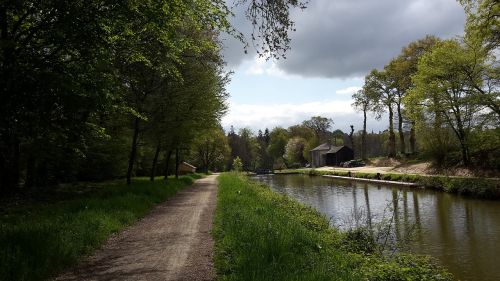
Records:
x=461, y=232
x=262, y=235
x=475, y=187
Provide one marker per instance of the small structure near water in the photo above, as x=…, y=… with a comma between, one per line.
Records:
x=328, y=155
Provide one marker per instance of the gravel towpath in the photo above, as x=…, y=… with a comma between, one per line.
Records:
x=173, y=242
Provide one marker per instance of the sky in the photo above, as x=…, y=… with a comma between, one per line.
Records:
x=336, y=43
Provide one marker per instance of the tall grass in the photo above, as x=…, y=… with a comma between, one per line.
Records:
x=260, y=235
x=38, y=242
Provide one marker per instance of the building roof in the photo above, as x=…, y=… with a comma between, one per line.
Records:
x=335, y=149
x=324, y=146
x=329, y=148
x=189, y=165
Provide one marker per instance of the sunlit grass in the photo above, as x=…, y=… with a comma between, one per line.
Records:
x=261, y=235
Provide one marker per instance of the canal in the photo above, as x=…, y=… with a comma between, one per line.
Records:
x=463, y=234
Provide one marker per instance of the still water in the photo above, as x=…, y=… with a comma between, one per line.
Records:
x=462, y=233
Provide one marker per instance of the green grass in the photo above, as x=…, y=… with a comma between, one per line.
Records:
x=39, y=241
x=261, y=235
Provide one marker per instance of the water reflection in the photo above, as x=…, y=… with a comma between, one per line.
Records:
x=464, y=234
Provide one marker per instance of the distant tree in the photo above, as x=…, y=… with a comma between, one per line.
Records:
x=338, y=137
x=294, y=150
x=265, y=161
x=379, y=86
x=351, y=138
x=237, y=164
x=363, y=102
x=320, y=126
x=302, y=131
x=277, y=143
x=211, y=149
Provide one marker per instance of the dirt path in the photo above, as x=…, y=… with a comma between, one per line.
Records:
x=172, y=243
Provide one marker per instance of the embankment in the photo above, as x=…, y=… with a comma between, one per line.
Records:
x=261, y=235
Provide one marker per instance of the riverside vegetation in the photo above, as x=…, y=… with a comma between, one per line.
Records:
x=38, y=241
x=261, y=235
x=484, y=188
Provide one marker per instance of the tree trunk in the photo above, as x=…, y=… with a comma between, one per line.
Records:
x=363, y=137
x=30, y=171
x=155, y=161
x=176, y=163
x=167, y=162
x=413, y=140
x=351, y=139
x=392, y=136
x=465, y=154
x=402, y=145
x=133, y=151
x=10, y=174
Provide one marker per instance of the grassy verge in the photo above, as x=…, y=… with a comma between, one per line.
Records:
x=261, y=235
x=484, y=188
x=38, y=241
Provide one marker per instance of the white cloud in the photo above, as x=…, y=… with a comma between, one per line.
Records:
x=261, y=66
x=348, y=91
x=259, y=117
x=272, y=115
x=257, y=67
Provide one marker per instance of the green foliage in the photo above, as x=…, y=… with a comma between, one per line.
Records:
x=320, y=126
x=474, y=187
x=408, y=267
x=277, y=143
x=260, y=235
x=294, y=151
x=155, y=66
x=36, y=242
x=211, y=150
x=237, y=164
x=485, y=188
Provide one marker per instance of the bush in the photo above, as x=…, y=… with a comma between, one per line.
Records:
x=475, y=187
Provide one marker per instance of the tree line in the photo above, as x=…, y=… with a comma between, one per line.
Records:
x=93, y=90
x=290, y=147
x=446, y=92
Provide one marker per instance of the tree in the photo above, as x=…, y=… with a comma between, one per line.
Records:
x=441, y=91
x=265, y=161
x=363, y=102
x=237, y=164
x=482, y=39
x=403, y=68
x=249, y=149
x=211, y=149
x=483, y=19
x=338, y=137
x=294, y=151
x=351, y=137
x=272, y=22
x=66, y=64
x=277, y=143
x=379, y=86
x=320, y=126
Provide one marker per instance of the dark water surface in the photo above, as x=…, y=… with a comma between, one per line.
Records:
x=462, y=233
